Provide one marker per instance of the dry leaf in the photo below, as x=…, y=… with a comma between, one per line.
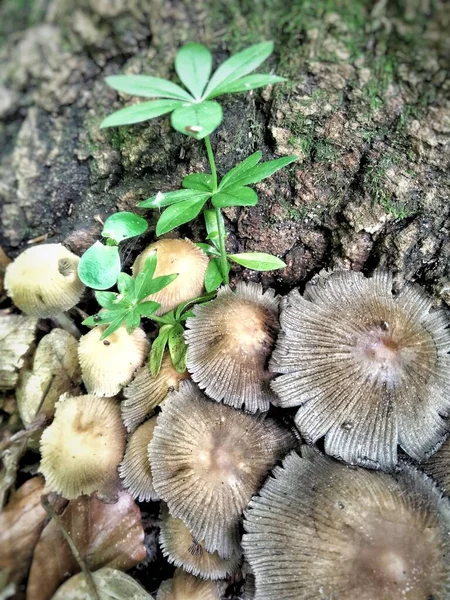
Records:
x=17, y=334
x=9, y=463
x=21, y=523
x=54, y=371
x=4, y=262
x=106, y=535
x=111, y=584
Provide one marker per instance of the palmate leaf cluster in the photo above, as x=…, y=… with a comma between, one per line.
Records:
x=194, y=110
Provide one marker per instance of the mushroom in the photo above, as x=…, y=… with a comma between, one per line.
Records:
x=229, y=343
x=208, y=460
x=438, y=466
x=175, y=256
x=319, y=529
x=43, y=282
x=83, y=447
x=108, y=365
x=146, y=392
x=187, y=587
x=182, y=550
x=369, y=369
x=135, y=470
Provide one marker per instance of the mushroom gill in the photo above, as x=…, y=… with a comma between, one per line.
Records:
x=182, y=550
x=184, y=586
x=229, y=343
x=175, y=256
x=82, y=448
x=438, y=466
x=107, y=365
x=146, y=392
x=320, y=529
x=208, y=460
x=135, y=470
x=369, y=369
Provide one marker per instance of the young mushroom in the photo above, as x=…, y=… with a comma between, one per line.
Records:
x=135, y=470
x=184, y=586
x=146, y=392
x=175, y=256
x=182, y=550
x=319, y=529
x=108, y=365
x=229, y=343
x=369, y=369
x=83, y=447
x=43, y=282
x=438, y=466
x=208, y=460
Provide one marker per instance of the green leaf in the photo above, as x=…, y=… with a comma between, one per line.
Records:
x=147, y=86
x=106, y=316
x=126, y=285
x=197, y=120
x=235, y=196
x=140, y=112
x=162, y=200
x=178, y=214
x=207, y=249
x=212, y=226
x=177, y=348
x=99, y=266
x=145, y=275
x=213, y=275
x=258, y=261
x=238, y=65
x=198, y=181
x=108, y=300
x=123, y=225
x=155, y=285
x=114, y=325
x=132, y=321
x=158, y=347
x=146, y=309
x=245, y=84
x=237, y=172
x=260, y=172
x=193, y=64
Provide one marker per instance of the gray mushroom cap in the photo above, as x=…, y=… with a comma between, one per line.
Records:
x=229, y=343
x=368, y=369
x=319, y=529
x=438, y=466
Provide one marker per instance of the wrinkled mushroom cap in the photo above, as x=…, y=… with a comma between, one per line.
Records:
x=229, y=343
x=184, y=586
x=83, y=447
x=107, y=365
x=182, y=550
x=43, y=281
x=319, y=529
x=438, y=466
x=175, y=256
x=208, y=460
x=368, y=369
x=146, y=392
x=135, y=470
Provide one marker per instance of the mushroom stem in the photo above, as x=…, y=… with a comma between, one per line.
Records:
x=65, y=322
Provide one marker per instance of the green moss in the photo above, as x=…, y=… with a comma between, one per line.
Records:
x=374, y=184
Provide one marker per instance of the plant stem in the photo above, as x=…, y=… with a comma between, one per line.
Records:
x=220, y=227
x=49, y=509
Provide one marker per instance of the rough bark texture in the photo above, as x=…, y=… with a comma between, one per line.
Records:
x=365, y=110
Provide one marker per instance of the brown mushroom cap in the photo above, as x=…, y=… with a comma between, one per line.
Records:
x=180, y=548
x=43, y=281
x=135, y=470
x=146, y=392
x=369, y=370
x=229, y=342
x=175, y=256
x=107, y=365
x=208, y=460
x=184, y=586
x=438, y=466
x=83, y=447
x=319, y=529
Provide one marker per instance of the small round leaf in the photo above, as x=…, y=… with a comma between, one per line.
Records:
x=123, y=225
x=99, y=266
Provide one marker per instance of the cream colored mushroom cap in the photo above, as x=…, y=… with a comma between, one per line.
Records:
x=43, y=280
x=175, y=256
x=187, y=587
x=83, y=447
x=108, y=365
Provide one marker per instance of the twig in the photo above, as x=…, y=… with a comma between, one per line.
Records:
x=49, y=509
